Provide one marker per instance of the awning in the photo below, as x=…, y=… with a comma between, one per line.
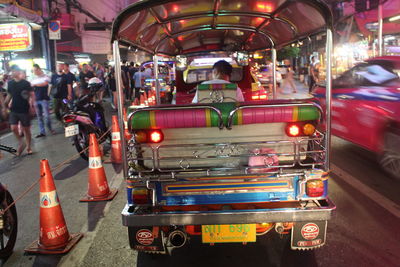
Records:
x=182, y=26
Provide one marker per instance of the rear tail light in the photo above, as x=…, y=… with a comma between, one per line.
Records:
x=150, y=136
x=314, y=188
x=255, y=97
x=69, y=118
x=293, y=130
x=263, y=96
x=300, y=129
x=156, y=136
x=140, y=195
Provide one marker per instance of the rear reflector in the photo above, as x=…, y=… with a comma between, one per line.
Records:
x=140, y=195
x=315, y=188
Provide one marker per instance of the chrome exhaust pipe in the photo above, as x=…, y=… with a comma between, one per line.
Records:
x=177, y=238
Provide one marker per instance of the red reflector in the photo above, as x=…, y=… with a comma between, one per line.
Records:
x=156, y=136
x=69, y=119
x=293, y=130
x=140, y=196
x=315, y=188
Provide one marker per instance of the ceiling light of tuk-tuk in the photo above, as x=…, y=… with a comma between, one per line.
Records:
x=175, y=8
x=394, y=18
x=265, y=7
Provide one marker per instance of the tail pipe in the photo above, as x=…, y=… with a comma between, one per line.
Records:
x=177, y=238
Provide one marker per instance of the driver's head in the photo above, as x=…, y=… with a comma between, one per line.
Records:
x=222, y=70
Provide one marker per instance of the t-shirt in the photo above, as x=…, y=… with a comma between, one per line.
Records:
x=20, y=93
x=59, y=83
x=84, y=78
x=70, y=80
x=239, y=93
x=41, y=92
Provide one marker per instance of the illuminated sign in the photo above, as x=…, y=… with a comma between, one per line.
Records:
x=15, y=37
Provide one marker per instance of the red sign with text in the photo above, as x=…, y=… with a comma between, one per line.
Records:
x=15, y=37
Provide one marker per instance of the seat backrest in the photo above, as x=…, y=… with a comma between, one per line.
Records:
x=217, y=93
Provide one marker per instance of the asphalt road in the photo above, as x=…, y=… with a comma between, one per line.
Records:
x=363, y=231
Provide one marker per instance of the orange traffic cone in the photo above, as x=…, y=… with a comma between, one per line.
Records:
x=98, y=189
x=54, y=237
x=142, y=100
x=116, y=149
x=136, y=102
x=146, y=100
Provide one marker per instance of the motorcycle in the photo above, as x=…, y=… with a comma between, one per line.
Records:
x=86, y=116
x=8, y=219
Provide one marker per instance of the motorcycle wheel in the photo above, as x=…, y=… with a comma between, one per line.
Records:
x=81, y=142
x=8, y=235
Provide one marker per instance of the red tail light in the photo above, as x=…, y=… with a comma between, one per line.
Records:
x=140, y=195
x=315, y=188
x=255, y=97
x=263, y=96
x=156, y=136
x=293, y=130
x=69, y=119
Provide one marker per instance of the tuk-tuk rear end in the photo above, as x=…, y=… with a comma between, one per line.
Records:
x=224, y=170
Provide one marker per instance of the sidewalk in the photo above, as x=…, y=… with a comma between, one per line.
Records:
x=302, y=92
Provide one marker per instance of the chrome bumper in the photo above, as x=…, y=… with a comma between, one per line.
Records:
x=132, y=216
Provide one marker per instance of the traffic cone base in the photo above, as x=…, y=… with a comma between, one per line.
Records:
x=110, y=196
x=36, y=248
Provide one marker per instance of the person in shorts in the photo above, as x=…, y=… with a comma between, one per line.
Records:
x=21, y=100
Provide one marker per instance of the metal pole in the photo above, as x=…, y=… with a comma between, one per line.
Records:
x=120, y=97
x=155, y=62
x=273, y=51
x=329, y=45
x=380, y=30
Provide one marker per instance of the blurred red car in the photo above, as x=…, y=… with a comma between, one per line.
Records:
x=366, y=108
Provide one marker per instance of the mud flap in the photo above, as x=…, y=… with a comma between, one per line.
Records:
x=147, y=238
x=308, y=235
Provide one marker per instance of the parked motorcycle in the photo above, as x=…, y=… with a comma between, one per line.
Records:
x=85, y=116
x=8, y=220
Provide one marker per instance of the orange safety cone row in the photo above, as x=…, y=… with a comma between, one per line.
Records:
x=146, y=100
x=135, y=102
x=54, y=237
x=116, y=149
x=142, y=100
x=98, y=189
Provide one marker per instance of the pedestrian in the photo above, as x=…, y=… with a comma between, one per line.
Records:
x=287, y=77
x=314, y=73
x=71, y=79
x=40, y=84
x=112, y=85
x=137, y=77
x=84, y=76
x=59, y=91
x=132, y=70
x=22, y=99
x=99, y=73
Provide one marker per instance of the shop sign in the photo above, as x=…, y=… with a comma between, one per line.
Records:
x=54, y=30
x=15, y=37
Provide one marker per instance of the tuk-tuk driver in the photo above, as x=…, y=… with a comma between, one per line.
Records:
x=221, y=72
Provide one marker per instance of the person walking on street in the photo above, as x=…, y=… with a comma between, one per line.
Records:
x=22, y=98
x=70, y=81
x=132, y=70
x=59, y=90
x=137, y=77
x=112, y=85
x=314, y=73
x=99, y=72
x=40, y=84
x=287, y=77
x=84, y=77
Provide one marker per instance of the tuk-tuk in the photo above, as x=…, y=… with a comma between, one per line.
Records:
x=223, y=170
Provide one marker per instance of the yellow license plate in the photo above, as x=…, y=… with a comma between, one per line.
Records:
x=228, y=233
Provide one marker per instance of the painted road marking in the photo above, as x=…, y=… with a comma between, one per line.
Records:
x=5, y=136
x=367, y=191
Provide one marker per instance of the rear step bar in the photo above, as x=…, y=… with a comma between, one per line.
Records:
x=143, y=216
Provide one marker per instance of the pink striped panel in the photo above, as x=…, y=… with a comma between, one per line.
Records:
x=180, y=118
x=265, y=115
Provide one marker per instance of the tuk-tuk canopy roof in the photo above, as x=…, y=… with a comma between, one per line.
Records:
x=173, y=27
